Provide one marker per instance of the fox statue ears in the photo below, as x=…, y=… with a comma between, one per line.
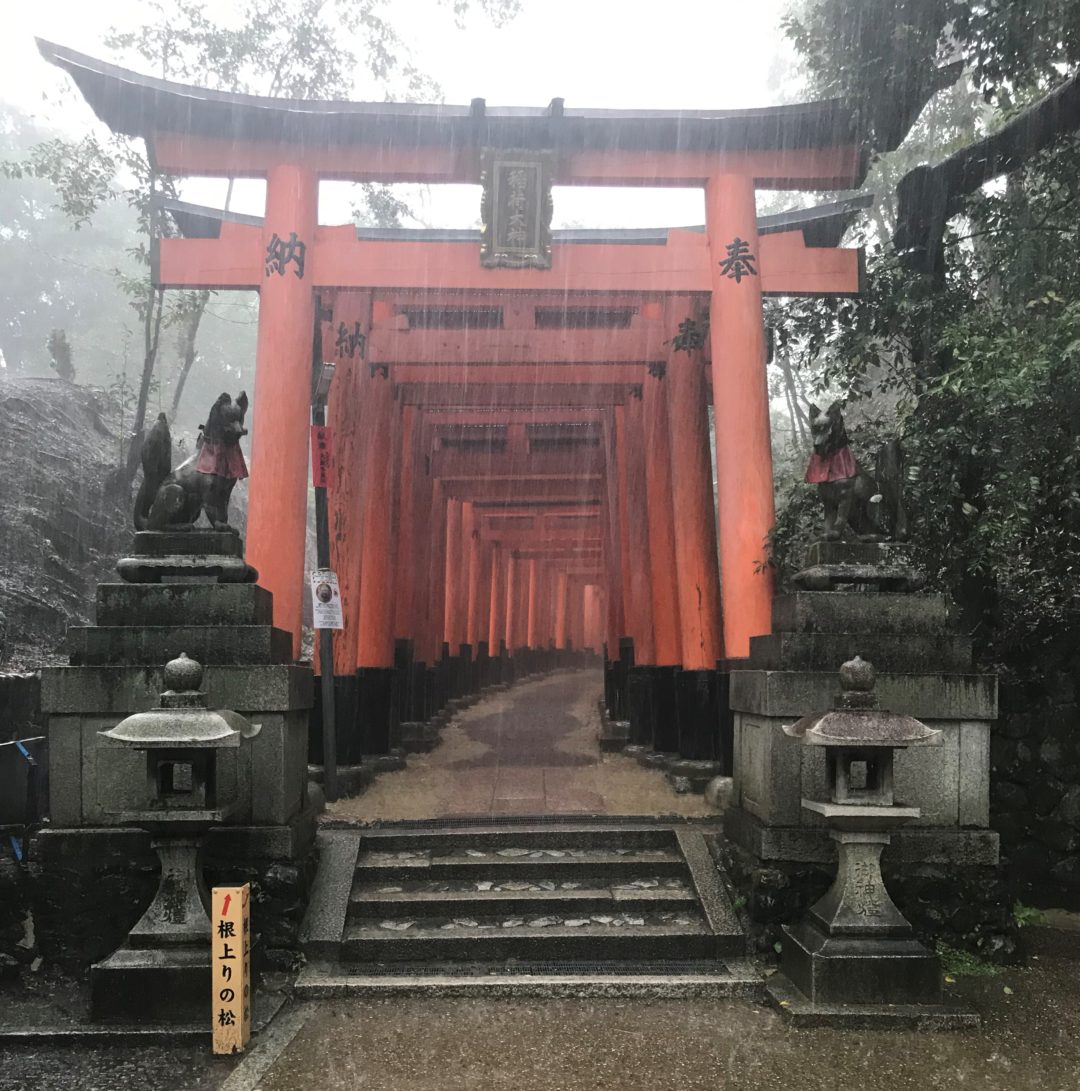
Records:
x=835, y=410
x=242, y=403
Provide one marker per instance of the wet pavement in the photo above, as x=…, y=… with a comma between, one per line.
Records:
x=1030, y=1040
x=71, y=1067
x=530, y=750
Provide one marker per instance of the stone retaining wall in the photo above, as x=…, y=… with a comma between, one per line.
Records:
x=1035, y=789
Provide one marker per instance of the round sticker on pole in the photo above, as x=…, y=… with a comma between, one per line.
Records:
x=325, y=600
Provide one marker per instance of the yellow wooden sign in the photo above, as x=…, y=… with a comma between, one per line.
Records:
x=230, y=922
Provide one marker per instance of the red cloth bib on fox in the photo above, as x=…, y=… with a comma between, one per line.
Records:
x=223, y=459
x=838, y=466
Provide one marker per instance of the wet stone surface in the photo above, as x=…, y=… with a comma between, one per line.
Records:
x=530, y=750
x=497, y=886
x=549, y=920
x=1029, y=1041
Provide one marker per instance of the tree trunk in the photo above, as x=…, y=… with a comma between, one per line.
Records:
x=799, y=421
x=151, y=339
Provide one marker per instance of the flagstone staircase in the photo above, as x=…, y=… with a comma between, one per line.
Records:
x=530, y=907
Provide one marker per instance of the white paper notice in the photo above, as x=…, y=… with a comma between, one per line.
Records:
x=325, y=600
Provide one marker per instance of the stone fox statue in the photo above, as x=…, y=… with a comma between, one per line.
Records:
x=869, y=507
x=173, y=499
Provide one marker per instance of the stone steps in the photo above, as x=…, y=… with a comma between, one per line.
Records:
x=595, y=897
x=489, y=942
x=733, y=978
x=589, y=901
x=598, y=865
x=485, y=836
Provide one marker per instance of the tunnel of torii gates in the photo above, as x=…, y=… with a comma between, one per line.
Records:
x=520, y=460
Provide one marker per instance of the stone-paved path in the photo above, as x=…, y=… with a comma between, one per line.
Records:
x=531, y=750
x=1030, y=1041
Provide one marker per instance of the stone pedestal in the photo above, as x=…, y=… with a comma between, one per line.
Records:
x=174, y=555
x=161, y=971
x=855, y=947
x=924, y=670
x=192, y=602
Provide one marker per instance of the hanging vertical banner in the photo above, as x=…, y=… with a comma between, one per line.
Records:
x=326, y=610
x=320, y=456
x=231, y=967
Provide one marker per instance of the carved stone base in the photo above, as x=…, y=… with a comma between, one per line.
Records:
x=162, y=970
x=857, y=904
x=798, y=1011
x=197, y=556
x=859, y=969
x=855, y=946
x=884, y=566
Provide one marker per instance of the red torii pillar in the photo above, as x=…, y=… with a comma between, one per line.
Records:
x=375, y=654
x=376, y=642
x=408, y=547
x=662, y=564
x=346, y=492
x=561, y=592
x=593, y=623
x=533, y=610
x=634, y=519
x=471, y=564
x=744, y=471
x=435, y=577
x=479, y=591
x=497, y=610
x=547, y=613
x=615, y=625
x=576, y=614
x=692, y=504
x=277, y=493
x=521, y=602
x=510, y=613
x=455, y=578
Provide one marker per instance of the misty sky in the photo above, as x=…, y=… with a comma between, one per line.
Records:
x=598, y=53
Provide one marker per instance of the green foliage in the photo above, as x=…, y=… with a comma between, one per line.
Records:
x=957, y=963
x=1025, y=915
x=1014, y=48
x=60, y=351
x=288, y=48
x=380, y=207
x=82, y=172
x=879, y=55
x=887, y=57
x=981, y=377
x=978, y=372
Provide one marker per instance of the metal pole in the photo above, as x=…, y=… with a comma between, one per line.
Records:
x=322, y=551
x=326, y=637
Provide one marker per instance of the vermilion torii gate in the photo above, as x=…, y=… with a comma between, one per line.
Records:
x=520, y=457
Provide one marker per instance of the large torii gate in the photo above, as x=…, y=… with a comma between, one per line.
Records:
x=433, y=342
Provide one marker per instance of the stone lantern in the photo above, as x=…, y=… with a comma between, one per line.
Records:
x=854, y=956
x=163, y=967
